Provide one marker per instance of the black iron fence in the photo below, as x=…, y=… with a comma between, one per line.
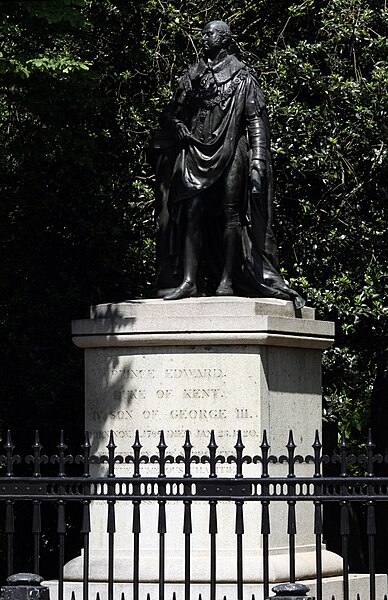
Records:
x=38, y=479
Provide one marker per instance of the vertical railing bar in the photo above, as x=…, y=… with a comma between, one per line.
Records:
x=36, y=459
x=291, y=529
x=187, y=530
x=136, y=529
x=136, y=524
x=240, y=533
x=86, y=525
x=265, y=533
x=187, y=520
x=318, y=528
x=61, y=458
x=111, y=546
x=10, y=459
x=9, y=533
x=318, y=548
x=213, y=547
x=371, y=519
x=86, y=543
x=61, y=529
x=371, y=551
x=345, y=549
x=291, y=543
x=162, y=525
x=265, y=519
x=344, y=525
x=111, y=525
x=162, y=547
x=36, y=532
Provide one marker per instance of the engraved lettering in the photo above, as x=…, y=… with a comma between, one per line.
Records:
x=129, y=395
x=150, y=414
x=163, y=394
x=193, y=373
x=215, y=413
x=243, y=413
x=197, y=393
x=132, y=374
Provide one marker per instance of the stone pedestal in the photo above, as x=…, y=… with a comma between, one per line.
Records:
x=202, y=364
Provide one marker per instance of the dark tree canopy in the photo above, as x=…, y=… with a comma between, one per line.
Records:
x=81, y=86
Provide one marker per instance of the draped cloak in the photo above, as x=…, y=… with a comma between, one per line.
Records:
x=223, y=108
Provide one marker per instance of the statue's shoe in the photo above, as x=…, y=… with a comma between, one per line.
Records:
x=224, y=289
x=186, y=290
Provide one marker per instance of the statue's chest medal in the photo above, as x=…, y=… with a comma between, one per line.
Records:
x=207, y=87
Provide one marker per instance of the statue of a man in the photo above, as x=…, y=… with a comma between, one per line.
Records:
x=217, y=181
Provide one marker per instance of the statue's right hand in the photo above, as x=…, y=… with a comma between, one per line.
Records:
x=181, y=132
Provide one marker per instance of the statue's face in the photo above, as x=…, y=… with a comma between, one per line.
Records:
x=212, y=38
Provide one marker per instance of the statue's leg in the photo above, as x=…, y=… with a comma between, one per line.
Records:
x=234, y=186
x=191, y=249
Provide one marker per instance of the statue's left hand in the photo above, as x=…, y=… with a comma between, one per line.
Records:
x=259, y=167
x=181, y=131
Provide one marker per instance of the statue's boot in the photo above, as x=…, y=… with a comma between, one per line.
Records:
x=225, y=289
x=231, y=237
x=185, y=290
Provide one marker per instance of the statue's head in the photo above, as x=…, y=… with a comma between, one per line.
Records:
x=215, y=35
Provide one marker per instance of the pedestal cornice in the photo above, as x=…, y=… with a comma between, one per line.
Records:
x=206, y=321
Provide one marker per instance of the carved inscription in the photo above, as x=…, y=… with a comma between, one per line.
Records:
x=152, y=393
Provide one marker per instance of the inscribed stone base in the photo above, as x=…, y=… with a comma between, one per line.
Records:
x=202, y=364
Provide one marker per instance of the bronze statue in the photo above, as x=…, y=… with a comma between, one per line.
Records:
x=215, y=184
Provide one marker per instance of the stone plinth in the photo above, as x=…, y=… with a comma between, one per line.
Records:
x=332, y=588
x=203, y=364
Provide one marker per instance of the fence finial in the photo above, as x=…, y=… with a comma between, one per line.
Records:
x=23, y=586
x=291, y=591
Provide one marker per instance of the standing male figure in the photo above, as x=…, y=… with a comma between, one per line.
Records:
x=220, y=176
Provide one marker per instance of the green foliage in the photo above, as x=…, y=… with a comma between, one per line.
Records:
x=81, y=86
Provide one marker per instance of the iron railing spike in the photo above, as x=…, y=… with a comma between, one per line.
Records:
x=137, y=439
x=87, y=440
x=122, y=596
x=265, y=446
x=162, y=442
x=370, y=440
x=291, y=443
x=111, y=443
x=265, y=438
x=73, y=595
x=98, y=596
x=239, y=442
x=187, y=443
x=317, y=441
x=37, y=440
x=212, y=442
x=8, y=443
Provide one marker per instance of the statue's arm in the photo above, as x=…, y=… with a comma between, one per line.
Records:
x=257, y=126
x=172, y=117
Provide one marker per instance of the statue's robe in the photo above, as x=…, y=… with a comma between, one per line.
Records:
x=224, y=110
